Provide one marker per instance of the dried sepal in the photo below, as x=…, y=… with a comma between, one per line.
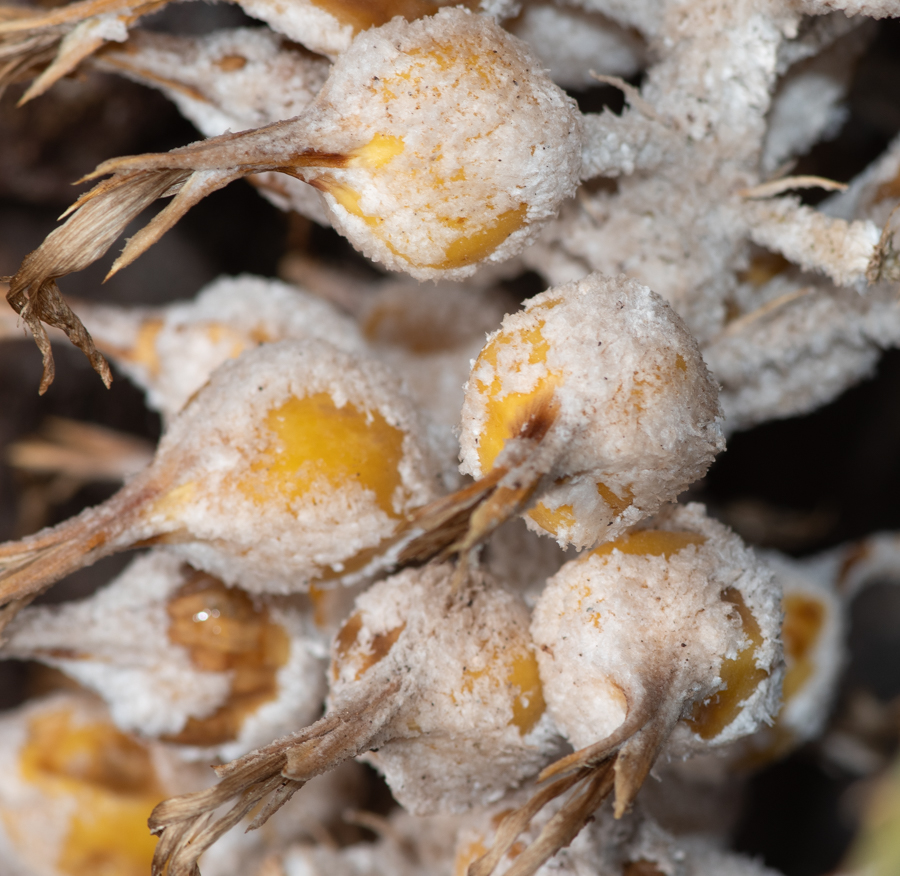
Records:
x=368, y=145
x=326, y=457
x=185, y=824
x=53, y=43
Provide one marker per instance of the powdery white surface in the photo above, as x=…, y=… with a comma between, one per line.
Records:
x=814, y=241
x=571, y=43
x=116, y=643
x=452, y=742
x=637, y=408
x=35, y=821
x=170, y=352
x=808, y=104
x=615, y=632
x=279, y=544
x=700, y=132
x=607, y=846
x=230, y=80
x=817, y=341
x=409, y=846
x=443, y=86
x=804, y=713
x=314, y=26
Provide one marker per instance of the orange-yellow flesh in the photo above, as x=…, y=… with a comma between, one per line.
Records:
x=553, y=521
x=616, y=503
x=650, y=543
x=474, y=232
x=224, y=632
x=363, y=14
x=517, y=669
x=740, y=676
x=475, y=241
x=142, y=351
x=348, y=647
x=478, y=239
x=803, y=621
x=311, y=440
x=513, y=414
x=112, y=780
x=467, y=855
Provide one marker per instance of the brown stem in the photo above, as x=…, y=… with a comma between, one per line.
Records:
x=185, y=824
x=30, y=566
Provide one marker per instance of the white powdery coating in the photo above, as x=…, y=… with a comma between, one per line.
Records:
x=870, y=8
x=445, y=86
x=819, y=342
x=231, y=80
x=572, y=43
x=311, y=24
x=171, y=352
x=278, y=544
x=120, y=649
x=616, y=630
x=454, y=742
x=808, y=105
x=637, y=407
x=36, y=816
x=305, y=22
x=872, y=194
x=816, y=242
x=646, y=15
x=607, y=846
x=806, y=710
x=876, y=558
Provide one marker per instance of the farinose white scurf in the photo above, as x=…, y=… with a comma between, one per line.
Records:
x=441, y=680
x=296, y=462
x=437, y=145
x=592, y=407
x=667, y=638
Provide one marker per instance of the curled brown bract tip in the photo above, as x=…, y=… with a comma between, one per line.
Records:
x=40, y=304
x=265, y=778
x=595, y=784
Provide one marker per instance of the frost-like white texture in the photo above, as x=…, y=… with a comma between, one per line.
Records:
x=409, y=846
x=170, y=352
x=571, y=43
x=814, y=241
x=803, y=346
x=469, y=721
x=606, y=846
x=44, y=789
x=808, y=104
x=230, y=80
x=698, y=135
x=329, y=28
x=631, y=408
x=443, y=176
x=814, y=638
x=621, y=631
x=117, y=643
x=274, y=539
